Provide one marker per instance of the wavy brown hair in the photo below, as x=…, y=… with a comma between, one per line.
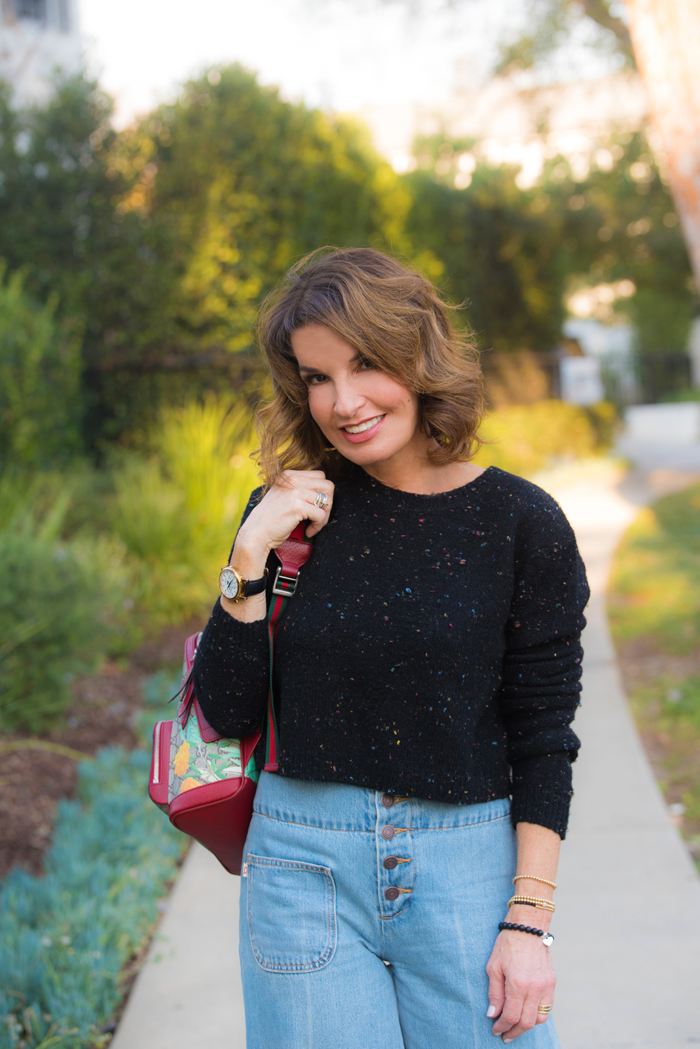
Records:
x=397, y=322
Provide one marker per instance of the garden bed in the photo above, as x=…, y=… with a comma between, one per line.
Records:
x=88, y=860
x=104, y=712
x=654, y=607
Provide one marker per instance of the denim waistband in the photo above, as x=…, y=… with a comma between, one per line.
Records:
x=343, y=807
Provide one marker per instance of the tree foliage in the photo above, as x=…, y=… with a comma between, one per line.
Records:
x=514, y=254
x=164, y=238
x=40, y=393
x=552, y=23
x=501, y=257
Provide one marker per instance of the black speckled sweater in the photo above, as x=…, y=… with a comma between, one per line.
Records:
x=432, y=649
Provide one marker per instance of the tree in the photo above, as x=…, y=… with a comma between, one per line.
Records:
x=666, y=37
x=515, y=255
x=501, y=257
x=162, y=240
x=40, y=413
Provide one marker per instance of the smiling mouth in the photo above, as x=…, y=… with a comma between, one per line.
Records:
x=361, y=427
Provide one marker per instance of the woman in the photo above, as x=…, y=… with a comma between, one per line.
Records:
x=427, y=671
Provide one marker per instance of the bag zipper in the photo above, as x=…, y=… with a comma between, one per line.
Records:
x=156, y=753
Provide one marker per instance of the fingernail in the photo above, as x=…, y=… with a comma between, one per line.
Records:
x=491, y=1010
x=506, y=1040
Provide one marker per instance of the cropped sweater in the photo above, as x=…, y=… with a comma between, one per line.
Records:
x=432, y=649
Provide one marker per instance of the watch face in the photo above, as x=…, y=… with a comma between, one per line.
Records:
x=228, y=583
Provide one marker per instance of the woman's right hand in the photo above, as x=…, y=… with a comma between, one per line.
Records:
x=291, y=499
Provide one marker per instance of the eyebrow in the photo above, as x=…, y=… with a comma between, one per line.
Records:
x=315, y=371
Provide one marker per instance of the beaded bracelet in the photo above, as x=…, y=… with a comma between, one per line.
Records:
x=533, y=877
x=547, y=938
x=546, y=905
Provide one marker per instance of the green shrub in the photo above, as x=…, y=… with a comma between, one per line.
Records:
x=528, y=438
x=177, y=512
x=39, y=381
x=62, y=603
x=54, y=622
x=65, y=937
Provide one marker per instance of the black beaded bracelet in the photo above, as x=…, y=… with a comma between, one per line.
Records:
x=547, y=937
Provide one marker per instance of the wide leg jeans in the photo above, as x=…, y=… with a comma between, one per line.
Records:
x=367, y=920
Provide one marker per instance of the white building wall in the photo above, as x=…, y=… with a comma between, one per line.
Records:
x=38, y=40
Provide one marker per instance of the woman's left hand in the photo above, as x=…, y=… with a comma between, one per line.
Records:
x=521, y=977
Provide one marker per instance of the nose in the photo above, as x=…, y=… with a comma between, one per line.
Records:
x=348, y=399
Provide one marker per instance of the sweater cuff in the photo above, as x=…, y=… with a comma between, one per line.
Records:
x=224, y=628
x=542, y=792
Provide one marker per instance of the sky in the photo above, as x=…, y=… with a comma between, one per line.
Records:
x=337, y=54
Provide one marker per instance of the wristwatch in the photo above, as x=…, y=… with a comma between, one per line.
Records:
x=236, y=588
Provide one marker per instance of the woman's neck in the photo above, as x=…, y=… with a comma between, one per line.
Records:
x=424, y=478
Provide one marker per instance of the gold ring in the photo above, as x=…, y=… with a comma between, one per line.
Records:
x=544, y=1008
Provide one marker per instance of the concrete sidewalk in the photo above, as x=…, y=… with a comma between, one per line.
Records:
x=628, y=910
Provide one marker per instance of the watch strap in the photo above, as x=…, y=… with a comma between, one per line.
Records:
x=255, y=586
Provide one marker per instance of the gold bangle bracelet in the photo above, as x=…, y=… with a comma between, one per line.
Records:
x=546, y=905
x=533, y=877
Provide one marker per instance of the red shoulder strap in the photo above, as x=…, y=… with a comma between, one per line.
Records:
x=292, y=553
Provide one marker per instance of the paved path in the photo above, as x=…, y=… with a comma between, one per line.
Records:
x=628, y=911
x=628, y=921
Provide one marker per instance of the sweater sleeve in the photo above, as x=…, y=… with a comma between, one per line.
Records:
x=542, y=665
x=231, y=668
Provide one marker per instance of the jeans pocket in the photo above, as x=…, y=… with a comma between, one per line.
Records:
x=291, y=914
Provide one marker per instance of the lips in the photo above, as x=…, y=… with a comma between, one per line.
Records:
x=363, y=426
x=367, y=429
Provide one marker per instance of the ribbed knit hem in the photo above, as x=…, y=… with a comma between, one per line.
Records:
x=223, y=627
x=542, y=792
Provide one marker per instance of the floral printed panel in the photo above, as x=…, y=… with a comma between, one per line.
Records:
x=194, y=763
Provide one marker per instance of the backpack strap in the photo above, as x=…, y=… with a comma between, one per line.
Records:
x=293, y=553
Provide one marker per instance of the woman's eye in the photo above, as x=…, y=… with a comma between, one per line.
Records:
x=315, y=380
x=365, y=364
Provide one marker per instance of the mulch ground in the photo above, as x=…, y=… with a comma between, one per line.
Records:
x=103, y=713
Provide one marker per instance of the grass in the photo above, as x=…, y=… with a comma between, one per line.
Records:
x=654, y=608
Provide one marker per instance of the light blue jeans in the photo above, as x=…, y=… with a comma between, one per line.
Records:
x=339, y=881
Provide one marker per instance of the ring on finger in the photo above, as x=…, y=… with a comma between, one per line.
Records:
x=321, y=500
x=544, y=1008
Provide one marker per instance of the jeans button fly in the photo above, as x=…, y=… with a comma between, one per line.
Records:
x=387, y=801
x=392, y=893
x=390, y=862
x=388, y=832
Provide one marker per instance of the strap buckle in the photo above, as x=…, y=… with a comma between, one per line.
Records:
x=284, y=585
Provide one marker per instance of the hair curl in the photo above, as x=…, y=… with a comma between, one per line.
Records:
x=395, y=318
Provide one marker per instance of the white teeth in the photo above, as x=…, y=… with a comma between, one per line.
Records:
x=363, y=426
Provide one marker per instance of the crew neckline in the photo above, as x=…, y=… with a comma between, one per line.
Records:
x=372, y=482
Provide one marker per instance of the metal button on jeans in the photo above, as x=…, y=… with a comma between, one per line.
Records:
x=387, y=801
x=388, y=832
x=392, y=893
x=390, y=862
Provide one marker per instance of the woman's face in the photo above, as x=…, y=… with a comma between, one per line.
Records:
x=364, y=413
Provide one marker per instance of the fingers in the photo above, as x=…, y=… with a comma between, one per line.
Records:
x=301, y=478
x=308, y=484
x=511, y=1012
x=543, y=1017
x=526, y=1020
x=497, y=992
x=318, y=518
